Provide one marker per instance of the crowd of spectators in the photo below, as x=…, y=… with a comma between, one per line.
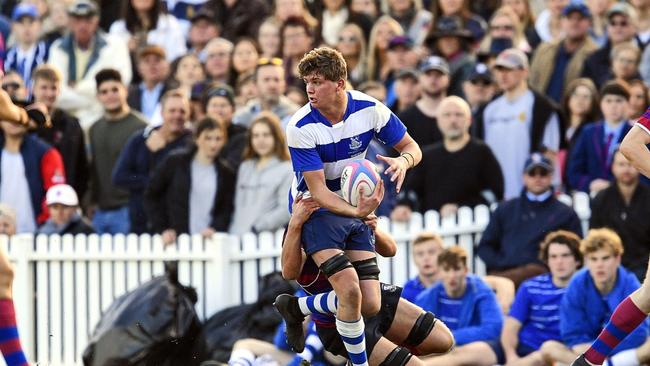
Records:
x=168, y=117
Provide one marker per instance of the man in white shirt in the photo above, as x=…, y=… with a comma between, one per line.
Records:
x=518, y=122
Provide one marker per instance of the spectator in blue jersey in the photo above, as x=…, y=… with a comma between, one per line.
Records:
x=535, y=314
x=425, y=250
x=333, y=129
x=590, y=160
x=146, y=148
x=592, y=295
x=469, y=308
x=28, y=52
x=509, y=245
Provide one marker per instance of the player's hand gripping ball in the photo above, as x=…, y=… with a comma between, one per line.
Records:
x=358, y=174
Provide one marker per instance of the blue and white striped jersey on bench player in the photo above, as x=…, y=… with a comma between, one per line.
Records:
x=314, y=143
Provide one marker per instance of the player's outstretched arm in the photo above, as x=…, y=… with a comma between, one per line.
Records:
x=410, y=156
x=635, y=150
x=318, y=189
x=292, y=257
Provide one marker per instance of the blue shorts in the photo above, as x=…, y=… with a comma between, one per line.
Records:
x=326, y=230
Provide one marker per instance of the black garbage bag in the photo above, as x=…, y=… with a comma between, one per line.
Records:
x=257, y=320
x=155, y=324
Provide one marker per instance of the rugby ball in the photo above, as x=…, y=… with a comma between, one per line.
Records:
x=357, y=174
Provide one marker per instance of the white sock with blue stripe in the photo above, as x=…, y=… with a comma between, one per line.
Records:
x=354, y=340
x=241, y=357
x=325, y=303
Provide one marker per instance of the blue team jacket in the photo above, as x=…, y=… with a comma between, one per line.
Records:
x=585, y=312
x=480, y=317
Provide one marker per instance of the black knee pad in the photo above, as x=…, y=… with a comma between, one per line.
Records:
x=397, y=357
x=367, y=269
x=421, y=329
x=335, y=264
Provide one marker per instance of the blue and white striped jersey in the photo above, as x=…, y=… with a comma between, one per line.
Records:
x=314, y=143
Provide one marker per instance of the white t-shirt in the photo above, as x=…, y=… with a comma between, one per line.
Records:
x=202, y=193
x=507, y=131
x=14, y=191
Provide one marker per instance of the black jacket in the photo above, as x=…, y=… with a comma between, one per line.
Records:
x=67, y=137
x=608, y=209
x=134, y=98
x=167, y=197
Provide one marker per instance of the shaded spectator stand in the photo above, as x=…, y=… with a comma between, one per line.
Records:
x=63, y=284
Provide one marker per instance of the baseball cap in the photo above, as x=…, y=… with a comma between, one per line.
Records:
x=83, y=8
x=400, y=41
x=224, y=91
x=434, y=63
x=151, y=49
x=621, y=8
x=576, y=7
x=407, y=73
x=203, y=13
x=480, y=72
x=512, y=58
x=537, y=160
x=62, y=194
x=24, y=10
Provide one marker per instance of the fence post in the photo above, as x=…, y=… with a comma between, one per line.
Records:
x=218, y=274
x=23, y=291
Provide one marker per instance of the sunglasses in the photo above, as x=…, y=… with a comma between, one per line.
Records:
x=619, y=24
x=480, y=82
x=538, y=172
x=10, y=86
x=263, y=61
x=502, y=27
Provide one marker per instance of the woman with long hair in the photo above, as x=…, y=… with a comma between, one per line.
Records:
x=192, y=190
x=384, y=29
x=526, y=18
x=188, y=71
x=268, y=38
x=244, y=58
x=579, y=107
x=504, y=29
x=352, y=45
x=261, y=199
x=145, y=22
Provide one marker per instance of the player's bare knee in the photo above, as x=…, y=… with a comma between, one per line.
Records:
x=548, y=350
x=6, y=273
x=370, y=306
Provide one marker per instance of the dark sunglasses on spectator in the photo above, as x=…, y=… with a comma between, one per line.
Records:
x=10, y=86
x=538, y=172
x=480, y=82
x=502, y=27
x=348, y=39
x=263, y=61
x=619, y=24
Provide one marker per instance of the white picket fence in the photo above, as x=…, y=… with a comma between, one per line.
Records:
x=62, y=284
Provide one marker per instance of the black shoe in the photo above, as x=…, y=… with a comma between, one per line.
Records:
x=288, y=307
x=581, y=361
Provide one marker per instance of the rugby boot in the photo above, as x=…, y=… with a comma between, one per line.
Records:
x=581, y=361
x=287, y=306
